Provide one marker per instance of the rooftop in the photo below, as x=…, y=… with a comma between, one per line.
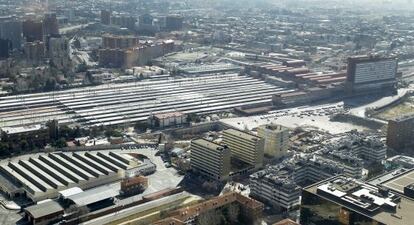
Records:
x=93, y=195
x=242, y=134
x=379, y=204
x=208, y=144
x=44, y=208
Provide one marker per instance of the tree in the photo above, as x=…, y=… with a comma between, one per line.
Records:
x=233, y=213
x=211, y=217
x=61, y=143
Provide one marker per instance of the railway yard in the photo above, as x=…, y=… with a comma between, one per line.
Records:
x=124, y=103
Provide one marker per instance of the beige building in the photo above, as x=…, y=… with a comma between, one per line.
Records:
x=246, y=147
x=210, y=159
x=276, y=140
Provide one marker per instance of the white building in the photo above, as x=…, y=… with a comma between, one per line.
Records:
x=276, y=140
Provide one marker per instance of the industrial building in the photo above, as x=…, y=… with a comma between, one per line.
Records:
x=210, y=159
x=43, y=176
x=245, y=147
x=276, y=139
x=348, y=201
x=128, y=103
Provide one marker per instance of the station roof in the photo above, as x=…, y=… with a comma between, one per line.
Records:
x=71, y=191
x=93, y=195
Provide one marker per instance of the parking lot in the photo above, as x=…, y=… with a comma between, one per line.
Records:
x=306, y=116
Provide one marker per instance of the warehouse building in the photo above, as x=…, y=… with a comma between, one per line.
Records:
x=43, y=176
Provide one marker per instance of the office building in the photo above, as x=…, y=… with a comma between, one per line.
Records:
x=371, y=74
x=210, y=159
x=11, y=29
x=400, y=133
x=50, y=25
x=276, y=139
x=105, y=17
x=33, y=30
x=343, y=200
x=245, y=147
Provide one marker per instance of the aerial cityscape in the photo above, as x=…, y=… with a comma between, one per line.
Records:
x=207, y=112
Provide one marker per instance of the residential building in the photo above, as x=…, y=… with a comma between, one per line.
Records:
x=245, y=147
x=400, y=133
x=210, y=159
x=276, y=139
x=250, y=211
x=277, y=189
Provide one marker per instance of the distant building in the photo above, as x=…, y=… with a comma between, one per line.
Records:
x=50, y=25
x=131, y=56
x=210, y=159
x=34, y=52
x=5, y=48
x=146, y=24
x=12, y=30
x=276, y=139
x=173, y=22
x=124, y=21
x=245, y=147
x=119, y=42
x=33, y=30
x=400, y=133
x=371, y=74
x=58, y=51
x=105, y=17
